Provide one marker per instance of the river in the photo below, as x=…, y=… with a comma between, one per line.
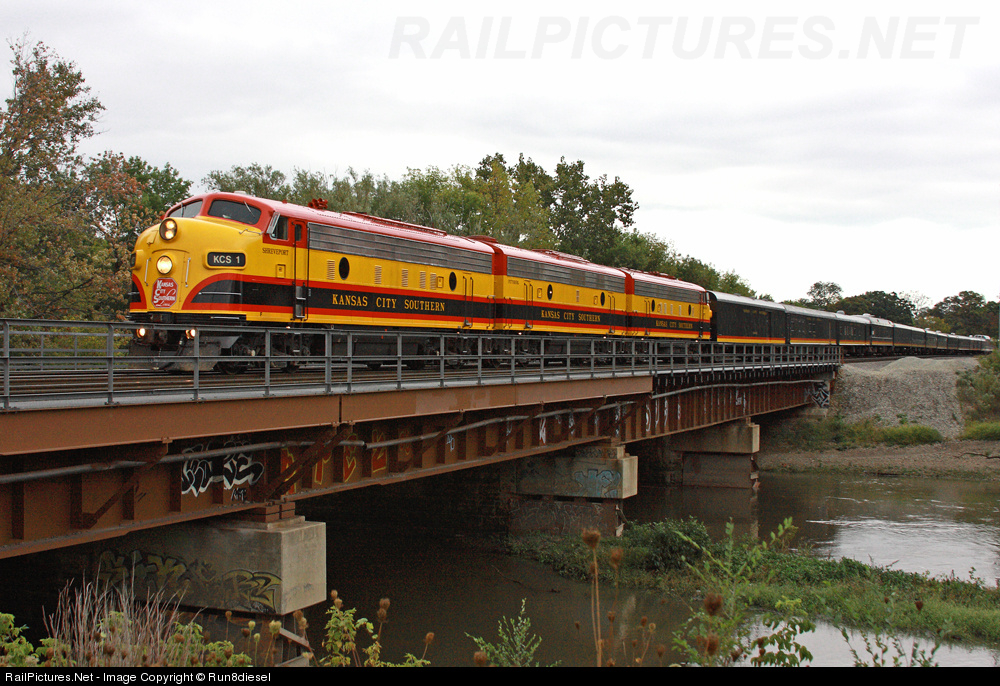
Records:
x=449, y=586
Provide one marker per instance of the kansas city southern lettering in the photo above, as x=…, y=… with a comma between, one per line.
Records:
x=350, y=300
x=423, y=305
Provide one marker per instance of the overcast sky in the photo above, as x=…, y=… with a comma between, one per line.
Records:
x=788, y=143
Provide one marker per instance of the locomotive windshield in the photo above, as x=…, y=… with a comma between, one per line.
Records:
x=242, y=212
x=191, y=209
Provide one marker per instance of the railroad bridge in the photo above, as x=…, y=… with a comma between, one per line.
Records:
x=94, y=445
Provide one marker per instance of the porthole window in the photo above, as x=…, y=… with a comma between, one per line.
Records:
x=344, y=268
x=652, y=306
x=550, y=291
x=452, y=281
x=602, y=299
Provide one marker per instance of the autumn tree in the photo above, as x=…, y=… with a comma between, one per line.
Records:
x=67, y=225
x=48, y=260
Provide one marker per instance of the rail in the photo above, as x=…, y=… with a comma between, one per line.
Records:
x=50, y=364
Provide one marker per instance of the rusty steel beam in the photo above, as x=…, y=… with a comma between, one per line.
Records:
x=29, y=432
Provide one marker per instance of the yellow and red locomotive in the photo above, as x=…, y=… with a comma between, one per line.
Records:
x=228, y=258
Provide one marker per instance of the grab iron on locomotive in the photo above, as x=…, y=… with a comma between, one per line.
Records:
x=232, y=259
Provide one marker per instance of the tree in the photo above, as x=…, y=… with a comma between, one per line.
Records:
x=48, y=259
x=67, y=225
x=259, y=181
x=512, y=209
x=161, y=188
x=45, y=119
x=824, y=295
x=966, y=314
x=889, y=306
x=589, y=217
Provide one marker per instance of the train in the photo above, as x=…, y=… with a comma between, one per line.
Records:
x=219, y=259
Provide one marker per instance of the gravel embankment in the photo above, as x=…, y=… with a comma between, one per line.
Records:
x=919, y=391
x=922, y=391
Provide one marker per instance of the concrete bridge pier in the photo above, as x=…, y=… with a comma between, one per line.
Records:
x=261, y=567
x=720, y=455
x=566, y=493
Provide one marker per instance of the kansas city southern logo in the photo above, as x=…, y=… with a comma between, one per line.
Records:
x=164, y=293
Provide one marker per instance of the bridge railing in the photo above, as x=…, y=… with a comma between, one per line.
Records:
x=68, y=364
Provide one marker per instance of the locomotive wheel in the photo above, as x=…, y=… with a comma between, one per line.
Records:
x=239, y=349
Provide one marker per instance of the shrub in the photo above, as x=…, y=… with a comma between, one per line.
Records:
x=515, y=646
x=669, y=544
x=982, y=431
x=910, y=434
x=979, y=389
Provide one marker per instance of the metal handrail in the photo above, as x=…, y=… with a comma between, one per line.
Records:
x=70, y=363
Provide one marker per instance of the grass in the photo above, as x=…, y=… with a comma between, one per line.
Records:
x=982, y=431
x=101, y=626
x=833, y=433
x=979, y=389
x=845, y=592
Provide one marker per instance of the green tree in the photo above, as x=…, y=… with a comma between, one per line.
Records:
x=512, y=210
x=256, y=180
x=891, y=306
x=589, y=217
x=161, y=188
x=966, y=314
x=825, y=295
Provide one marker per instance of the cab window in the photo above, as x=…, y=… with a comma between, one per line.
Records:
x=189, y=210
x=241, y=212
x=279, y=229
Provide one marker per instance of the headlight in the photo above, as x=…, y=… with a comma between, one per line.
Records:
x=168, y=229
x=164, y=264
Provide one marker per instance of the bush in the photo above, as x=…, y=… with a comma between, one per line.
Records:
x=982, y=431
x=669, y=544
x=979, y=389
x=911, y=434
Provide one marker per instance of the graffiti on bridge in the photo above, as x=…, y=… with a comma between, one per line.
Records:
x=235, y=469
x=253, y=591
x=820, y=394
x=599, y=483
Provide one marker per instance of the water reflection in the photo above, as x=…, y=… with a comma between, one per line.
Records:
x=914, y=525
x=452, y=588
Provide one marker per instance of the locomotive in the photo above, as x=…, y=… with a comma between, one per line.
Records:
x=233, y=259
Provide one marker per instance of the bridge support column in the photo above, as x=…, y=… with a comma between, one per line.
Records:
x=259, y=570
x=721, y=455
x=565, y=494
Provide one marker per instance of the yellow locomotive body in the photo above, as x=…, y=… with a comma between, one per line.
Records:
x=227, y=258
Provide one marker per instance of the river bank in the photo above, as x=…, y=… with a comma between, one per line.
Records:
x=906, y=391
x=946, y=460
